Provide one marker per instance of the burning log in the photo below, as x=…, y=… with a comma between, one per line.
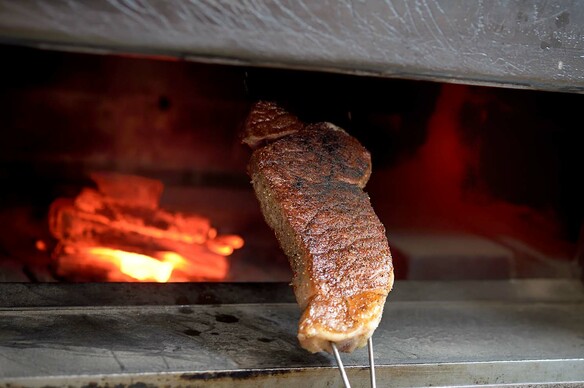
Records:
x=124, y=189
x=118, y=235
x=90, y=218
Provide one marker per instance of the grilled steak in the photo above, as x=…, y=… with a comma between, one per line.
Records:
x=309, y=181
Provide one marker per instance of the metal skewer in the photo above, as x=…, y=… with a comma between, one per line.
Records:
x=341, y=367
x=371, y=363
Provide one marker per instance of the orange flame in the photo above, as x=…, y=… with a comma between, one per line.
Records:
x=138, y=266
x=120, y=265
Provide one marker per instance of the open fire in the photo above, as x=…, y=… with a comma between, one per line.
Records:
x=118, y=232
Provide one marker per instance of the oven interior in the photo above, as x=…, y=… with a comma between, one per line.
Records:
x=470, y=182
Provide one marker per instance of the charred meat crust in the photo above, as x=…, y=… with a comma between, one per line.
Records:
x=268, y=121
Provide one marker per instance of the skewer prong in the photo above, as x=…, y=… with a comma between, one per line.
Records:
x=371, y=363
x=340, y=364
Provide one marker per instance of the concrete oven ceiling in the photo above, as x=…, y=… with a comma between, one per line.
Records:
x=536, y=44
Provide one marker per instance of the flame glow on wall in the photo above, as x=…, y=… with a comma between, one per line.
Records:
x=119, y=233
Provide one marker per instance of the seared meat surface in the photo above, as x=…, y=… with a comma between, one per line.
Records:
x=309, y=181
x=268, y=121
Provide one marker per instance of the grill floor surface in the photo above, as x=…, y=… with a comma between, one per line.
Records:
x=432, y=333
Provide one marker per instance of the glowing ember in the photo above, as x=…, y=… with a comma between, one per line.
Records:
x=225, y=245
x=41, y=245
x=119, y=233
